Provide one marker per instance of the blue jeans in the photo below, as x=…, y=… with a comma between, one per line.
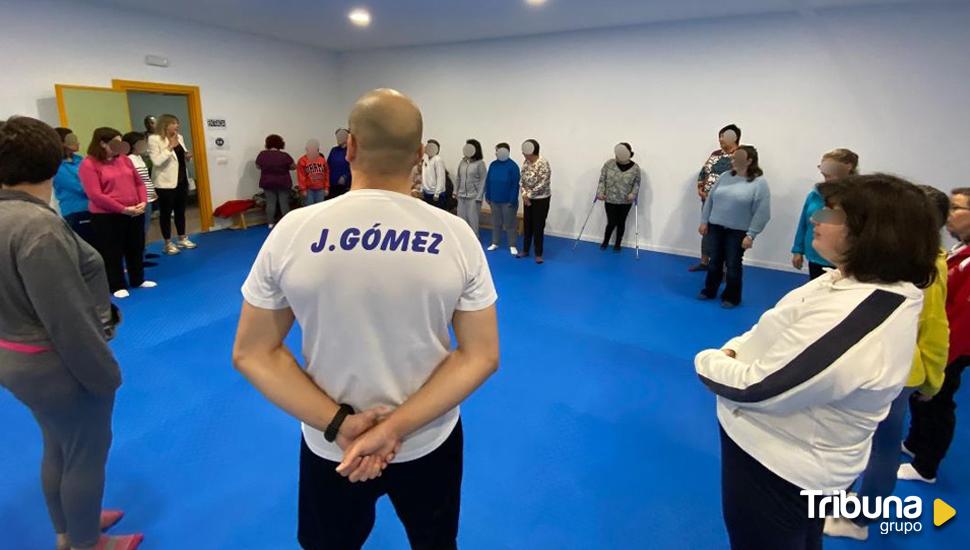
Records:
x=726, y=251
x=148, y=219
x=879, y=478
x=314, y=196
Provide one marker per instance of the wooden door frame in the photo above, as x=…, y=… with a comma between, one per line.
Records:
x=202, y=187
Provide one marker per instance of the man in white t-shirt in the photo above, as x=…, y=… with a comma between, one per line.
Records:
x=374, y=278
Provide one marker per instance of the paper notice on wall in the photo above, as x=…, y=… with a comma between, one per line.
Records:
x=218, y=143
x=215, y=124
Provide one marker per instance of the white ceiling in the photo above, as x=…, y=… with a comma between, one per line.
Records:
x=323, y=23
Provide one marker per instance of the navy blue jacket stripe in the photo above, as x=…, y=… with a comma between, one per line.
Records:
x=865, y=318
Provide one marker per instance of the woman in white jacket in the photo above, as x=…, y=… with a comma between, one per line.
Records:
x=434, y=178
x=801, y=393
x=170, y=175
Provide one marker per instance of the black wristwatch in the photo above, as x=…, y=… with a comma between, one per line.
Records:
x=338, y=419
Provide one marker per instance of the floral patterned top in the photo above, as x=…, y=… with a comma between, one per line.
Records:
x=536, y=179
x=617, y=185
x=718, y=163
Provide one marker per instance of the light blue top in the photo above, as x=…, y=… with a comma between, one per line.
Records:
x=739, y=204
x=804, y=233
x=71, y=197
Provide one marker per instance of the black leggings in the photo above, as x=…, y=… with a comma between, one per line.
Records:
x=616, y=215
x=169, y=201
x=534, y=220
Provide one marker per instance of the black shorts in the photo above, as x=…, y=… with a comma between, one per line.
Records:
x=336, y=514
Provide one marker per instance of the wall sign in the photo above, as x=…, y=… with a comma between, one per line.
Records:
x=218, y=143
x=217, y=123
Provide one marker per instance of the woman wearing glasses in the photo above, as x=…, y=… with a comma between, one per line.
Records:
x=835, y=164
x=799, y=395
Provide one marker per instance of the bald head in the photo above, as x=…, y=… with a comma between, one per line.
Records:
x=385, y=134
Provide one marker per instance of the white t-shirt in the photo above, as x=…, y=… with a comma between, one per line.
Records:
x=373, y=278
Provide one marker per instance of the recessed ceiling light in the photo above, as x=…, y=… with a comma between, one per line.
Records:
x=535, y=2
x=359, y=17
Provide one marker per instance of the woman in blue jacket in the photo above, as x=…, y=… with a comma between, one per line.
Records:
x=835, y=164
x=502, y=195
x=71, y=198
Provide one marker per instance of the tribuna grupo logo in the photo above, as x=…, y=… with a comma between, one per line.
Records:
x=894, y=514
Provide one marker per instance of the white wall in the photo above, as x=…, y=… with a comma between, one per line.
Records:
x=259, y=85
x=890, y=83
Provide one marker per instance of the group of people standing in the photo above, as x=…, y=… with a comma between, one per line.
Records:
x=107, y=196
x=813, y=397
x=319, y=178
x=502, y=184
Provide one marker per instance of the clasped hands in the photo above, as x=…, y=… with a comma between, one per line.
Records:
x=136, y=210
x=369, y=444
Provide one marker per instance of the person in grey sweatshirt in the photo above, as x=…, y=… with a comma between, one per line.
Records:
x=470, y=187
x=55, y=322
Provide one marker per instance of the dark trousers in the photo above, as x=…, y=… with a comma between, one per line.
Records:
x=336, y=191
x=172, y=201
x=441, y=203
x=80, y=222
x=616, y=215
x=726, y=252
x=121, y=242
x=933, y=422
x=815, y=270
x=879, y=477
x=335, y=514
x=762, y=510
x=534, y=220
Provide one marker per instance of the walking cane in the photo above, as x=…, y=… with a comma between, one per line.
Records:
x=636, y=212
x=588, y=214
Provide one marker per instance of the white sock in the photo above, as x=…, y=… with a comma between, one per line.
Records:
x=493, y=247
x=841, y=527
x=121, y=293
x=515, y=251
x=906, y=472
x=148, y=284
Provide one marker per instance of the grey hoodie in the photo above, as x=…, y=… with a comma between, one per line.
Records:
x=471, y=179
x=54, y=301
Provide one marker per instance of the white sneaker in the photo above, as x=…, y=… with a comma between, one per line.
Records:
x=906, y=450
x=148, y=284
x=121, y=293
x=492, y=247
x=841, y=527
x=170, y=249
x=906, y=472
x=514, y=251
x=185, y=243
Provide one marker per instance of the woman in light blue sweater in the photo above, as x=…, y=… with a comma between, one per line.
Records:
x=737, y=210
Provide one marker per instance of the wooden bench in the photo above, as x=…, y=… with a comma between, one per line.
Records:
x=485, y=219
x=240, y=221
